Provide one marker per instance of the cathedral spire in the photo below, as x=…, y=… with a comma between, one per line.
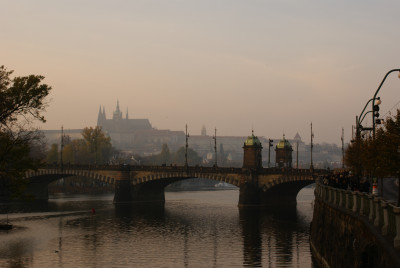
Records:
x=99, y=117
x=117, y=113
x=127, y=117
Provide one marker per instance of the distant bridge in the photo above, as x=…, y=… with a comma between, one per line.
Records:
x=146, y=183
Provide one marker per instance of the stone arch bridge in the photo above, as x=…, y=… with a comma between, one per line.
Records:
x=146, y=183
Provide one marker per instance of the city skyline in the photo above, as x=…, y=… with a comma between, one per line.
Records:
x=271, y=66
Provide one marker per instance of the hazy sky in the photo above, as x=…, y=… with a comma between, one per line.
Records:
x=274, y=66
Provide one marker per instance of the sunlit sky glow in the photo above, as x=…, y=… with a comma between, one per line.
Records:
x=274, y=66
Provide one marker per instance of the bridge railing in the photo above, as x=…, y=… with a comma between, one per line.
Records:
x=381, y=214
x=289, y=171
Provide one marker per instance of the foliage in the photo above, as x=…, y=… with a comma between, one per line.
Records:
x=22, y=101
x=53, y=154
x=94, y=148
x=165, y=157
x=98, y=144
x=379, y=156
x=21, y=96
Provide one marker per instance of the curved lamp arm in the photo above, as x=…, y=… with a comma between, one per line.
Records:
x=376, y=93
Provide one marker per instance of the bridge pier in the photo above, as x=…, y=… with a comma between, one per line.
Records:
x=125, y=192
x=122, y=192
x=249, y=195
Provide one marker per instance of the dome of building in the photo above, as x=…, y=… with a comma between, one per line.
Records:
x=283, y=143
x=252, y=141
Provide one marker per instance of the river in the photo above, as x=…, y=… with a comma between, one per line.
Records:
x=192, y=229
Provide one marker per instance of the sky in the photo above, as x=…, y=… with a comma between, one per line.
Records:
x=271, y=66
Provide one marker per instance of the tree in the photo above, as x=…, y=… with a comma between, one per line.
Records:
x=80, y=152
x=98, y=144
x=52, y=154
x=378, y=156
x=193, y=157
x=21, y=96
x=22, y=100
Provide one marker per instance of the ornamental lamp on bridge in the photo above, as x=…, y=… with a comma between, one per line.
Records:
x=252, y=149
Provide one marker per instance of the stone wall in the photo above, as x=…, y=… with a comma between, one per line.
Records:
x=345, y=234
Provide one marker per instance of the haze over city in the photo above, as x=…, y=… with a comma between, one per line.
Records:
x=274, y=66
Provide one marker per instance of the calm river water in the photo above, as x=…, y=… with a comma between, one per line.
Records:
x=192, y=229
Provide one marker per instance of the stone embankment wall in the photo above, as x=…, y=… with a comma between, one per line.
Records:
x=352, y=229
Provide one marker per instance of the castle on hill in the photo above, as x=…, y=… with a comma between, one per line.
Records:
x=119, y=124
x=137, y=135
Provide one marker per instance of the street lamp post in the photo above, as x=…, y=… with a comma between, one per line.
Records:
x=297, y=154
x=62, y=147
x=342, y=147
x=269, y=151
x=186, y=147
x=359, y=127
x=215, y=147
x=374, y=105
x=312, y=145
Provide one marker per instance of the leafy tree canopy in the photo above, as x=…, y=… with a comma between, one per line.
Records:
x=22, y=101
x=21, y=97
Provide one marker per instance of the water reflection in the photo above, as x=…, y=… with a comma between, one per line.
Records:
x=190, y=230
x=250, y=222
x=280, y=227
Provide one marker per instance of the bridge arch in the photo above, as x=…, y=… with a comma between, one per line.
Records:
x=284, y=189
x=39, y=180
x=168, y=178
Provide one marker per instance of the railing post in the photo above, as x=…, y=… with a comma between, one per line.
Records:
x=396, y=240
x=362, y=205
x=385, y=226
x=319, y=190
x=334, y=190
x=354, y=201
x=341, y=198
x=371, y=207
x=322, y=192
x=346, y=204
x=329, y=194
x=377, y=205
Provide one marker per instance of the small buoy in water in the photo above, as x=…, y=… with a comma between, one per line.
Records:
x=93, y=211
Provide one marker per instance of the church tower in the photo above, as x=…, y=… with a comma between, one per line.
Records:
x=117, y=114
x=252, y=148
x=101, y=117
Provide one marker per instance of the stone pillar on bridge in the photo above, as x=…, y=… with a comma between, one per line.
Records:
x=249, y=192
x=252, y=162
x=123, y=186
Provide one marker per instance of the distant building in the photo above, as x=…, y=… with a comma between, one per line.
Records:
x=137, y=135
x=118, y=124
